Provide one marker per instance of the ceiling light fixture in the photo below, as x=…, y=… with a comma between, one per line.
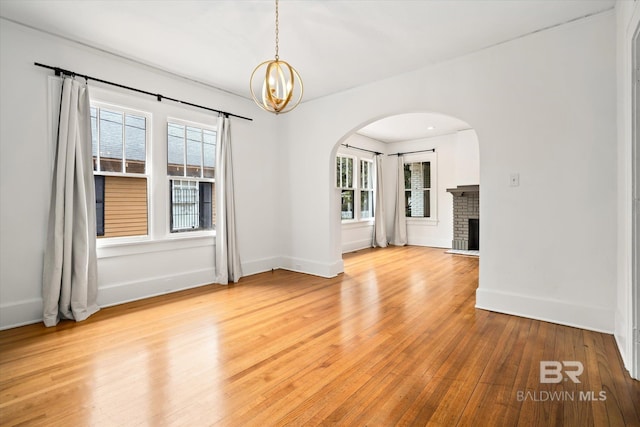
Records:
x=281, y=90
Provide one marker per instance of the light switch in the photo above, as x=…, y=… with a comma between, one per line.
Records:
x=514, y=179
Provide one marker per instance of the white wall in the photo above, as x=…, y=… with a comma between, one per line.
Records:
x=542, y=106
x=628, y=19
x=133, y=271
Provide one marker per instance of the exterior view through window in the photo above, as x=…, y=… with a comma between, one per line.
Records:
x=118, y=142
x=191, y=152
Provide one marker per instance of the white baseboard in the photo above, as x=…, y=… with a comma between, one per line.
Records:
x=30, y=311
x=150, y=287
x=355, y=246
x=20, y=313
x=592, y=318
x=314, y=268
x=430, y=242
x=250, y=268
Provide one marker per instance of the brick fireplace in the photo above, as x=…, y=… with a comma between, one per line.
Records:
x=466, y=217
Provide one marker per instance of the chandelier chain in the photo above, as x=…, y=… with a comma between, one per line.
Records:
x=277, y=31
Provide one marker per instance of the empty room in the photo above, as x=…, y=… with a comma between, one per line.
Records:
x=357, y=212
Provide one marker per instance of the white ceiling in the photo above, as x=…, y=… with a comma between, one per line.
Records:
x=335, y=45
x=412, y=126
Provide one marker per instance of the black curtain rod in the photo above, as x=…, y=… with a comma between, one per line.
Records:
x=361, y=149
x=411, y=152
x=159, y=97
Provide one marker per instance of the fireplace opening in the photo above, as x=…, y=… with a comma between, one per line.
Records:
x=474, y=234
x=466, y=214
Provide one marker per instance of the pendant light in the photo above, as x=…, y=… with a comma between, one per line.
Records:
x=281, y=89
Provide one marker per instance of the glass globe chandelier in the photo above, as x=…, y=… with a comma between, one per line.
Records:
x=281, y=89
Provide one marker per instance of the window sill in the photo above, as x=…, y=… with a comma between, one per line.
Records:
x=117, y=248
x=354, y=223
x=425, y=222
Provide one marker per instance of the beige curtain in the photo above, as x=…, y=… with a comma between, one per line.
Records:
x=400, y=220
x=227, y=255
x=379, y=226
x=70, y=282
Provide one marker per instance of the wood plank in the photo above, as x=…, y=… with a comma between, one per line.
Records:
x=395, y=340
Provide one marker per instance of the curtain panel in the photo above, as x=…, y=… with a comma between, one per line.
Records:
x=227, y=260
x=400, y=220
x=70, y=279
x=379, y=225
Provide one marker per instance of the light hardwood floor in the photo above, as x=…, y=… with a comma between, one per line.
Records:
x=395, y=340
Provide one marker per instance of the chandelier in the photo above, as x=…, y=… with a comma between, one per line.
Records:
x=282, y=88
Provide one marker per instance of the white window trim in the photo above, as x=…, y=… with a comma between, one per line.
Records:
x=372, y=178
x=357, y=219
x=355, y=166
x=104, y=242
x=184, y=234
x=158, y=238
x=431, y=157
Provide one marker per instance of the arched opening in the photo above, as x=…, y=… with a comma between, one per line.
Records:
x=437, y=152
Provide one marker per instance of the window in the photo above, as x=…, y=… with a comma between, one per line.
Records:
x=355, y=178
x=417, y=184
x=118, y=143
x=191, y=152
x=366, y=189
x=344, y=181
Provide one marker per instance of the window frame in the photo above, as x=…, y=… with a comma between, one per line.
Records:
x=99, y=102
x=371, y=189
x=357, y=188
x=352, y=188
x=432, y=158
x=187, y=233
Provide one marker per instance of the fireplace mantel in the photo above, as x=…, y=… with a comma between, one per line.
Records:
x=461, y=190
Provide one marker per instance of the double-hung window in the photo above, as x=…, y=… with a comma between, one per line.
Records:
x=366, y=189
x=191, y=152
x=417, y=184
x=355, y=179
x=119, y=148
x=345, y=182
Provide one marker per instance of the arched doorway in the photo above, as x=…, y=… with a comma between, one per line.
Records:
x=440, y=148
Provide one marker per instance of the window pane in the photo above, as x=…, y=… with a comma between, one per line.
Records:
x=347, y=204
x=417, y=184
x=407, y=176
x=206, y=205
x=185, y=204
x=345, y=172
x=192, y=205
x=110, y=141
x=175, y=149
x=407, y=203
x=426, y=175
x=124, y=206
x=364, y=174
x=338, y=171
x=194, y=152
x=427, y=204
x=209, y=161
x=366, y=204
x=135, y=131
